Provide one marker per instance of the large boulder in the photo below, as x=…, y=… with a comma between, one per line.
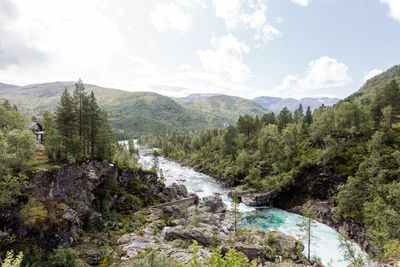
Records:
x=256, y=198
x=267, y=245
x=176, y=191
x=203, y=235
x=212, y=204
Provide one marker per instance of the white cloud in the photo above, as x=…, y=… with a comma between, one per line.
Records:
x=246, y=14
x=16, y=47
x=269, y=33
x=301, y=2
x=226, y=59
x=108, y=43
x=394, y=6
x=171, y=16
x=372, y=73
x=324, y=72
x=192, y=3
x=278, y=20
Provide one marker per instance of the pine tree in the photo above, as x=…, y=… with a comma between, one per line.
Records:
x=105, y=138
x=81, y=101
x=65, y=120
x=93, y=117
x=391, y=97
x=308, y=118
x=235, y=213
x=66, y=116
x=306, y=226
x=284, y=118
x=268, y=118
x=298, y=113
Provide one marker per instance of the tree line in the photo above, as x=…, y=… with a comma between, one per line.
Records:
x=356, y=138
x=79, y=129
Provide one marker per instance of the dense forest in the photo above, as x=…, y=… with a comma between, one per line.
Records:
x=356, y=138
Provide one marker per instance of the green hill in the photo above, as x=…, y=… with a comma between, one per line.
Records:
x=137, y=113
x=373, y=84
x=222, y=110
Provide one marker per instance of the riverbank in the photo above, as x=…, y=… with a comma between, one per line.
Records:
x=317, y=185
x=259, y=218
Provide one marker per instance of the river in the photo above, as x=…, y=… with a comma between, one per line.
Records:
x=326, y=247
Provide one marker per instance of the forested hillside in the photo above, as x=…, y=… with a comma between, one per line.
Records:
x=372, y=86
x=137, y=113
x=354, y=139
x=222, y=110
x=276, y=104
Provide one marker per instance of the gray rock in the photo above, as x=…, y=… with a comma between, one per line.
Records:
x=176, y=191
x=252, y=198
x=3, y=236
x=213, y=204
x=202, y=235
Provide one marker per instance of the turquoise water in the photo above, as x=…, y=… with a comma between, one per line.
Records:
x=325, y=247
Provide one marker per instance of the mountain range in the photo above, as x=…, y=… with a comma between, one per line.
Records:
x=275, y=104
x=138, y=113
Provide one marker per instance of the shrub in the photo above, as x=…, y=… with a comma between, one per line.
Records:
x=32, y=257
x=63, y=257
x=34, y=214
x=10, y=261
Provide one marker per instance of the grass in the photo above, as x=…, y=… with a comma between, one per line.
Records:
x=40, y=161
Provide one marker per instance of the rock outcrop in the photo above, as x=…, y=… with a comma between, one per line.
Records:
x=206, y=224
x=256, y=198
x=59, y=202
x=327, y=215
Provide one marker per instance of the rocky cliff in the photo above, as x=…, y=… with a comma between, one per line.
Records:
x=57, y=204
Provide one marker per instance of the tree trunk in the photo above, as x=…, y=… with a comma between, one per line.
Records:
x=309, y=237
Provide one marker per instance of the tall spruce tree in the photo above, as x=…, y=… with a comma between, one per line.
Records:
x=65, y=121
x=308, y=118
x=94, y=117
x=391, y=97
x=81, y=100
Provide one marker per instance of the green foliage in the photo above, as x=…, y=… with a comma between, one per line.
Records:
x=231, y=258
x=63, y=257
x=235, y=213
x=32, y=257
x=79, y=130
x=123, y=159
x=11, y=260
x=134, y=114
x=10, y=189
x=350, y=254
x=34, y=214
x=392, y=250
x=306, y=226
x=17, y=145
x=357, y=138
x=154, y=260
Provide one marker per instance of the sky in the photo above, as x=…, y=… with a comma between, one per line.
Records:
x=247, y=48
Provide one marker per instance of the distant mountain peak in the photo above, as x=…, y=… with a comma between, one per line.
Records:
x=276, y=104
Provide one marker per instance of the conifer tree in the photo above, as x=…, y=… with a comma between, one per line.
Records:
x=284, y=118
x=391, y=97
x=93, y=117
x=81, y=101
x=308, y=118
x=235, y=213
x=306, y=226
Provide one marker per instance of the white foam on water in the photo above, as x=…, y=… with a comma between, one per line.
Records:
x=266, y=219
